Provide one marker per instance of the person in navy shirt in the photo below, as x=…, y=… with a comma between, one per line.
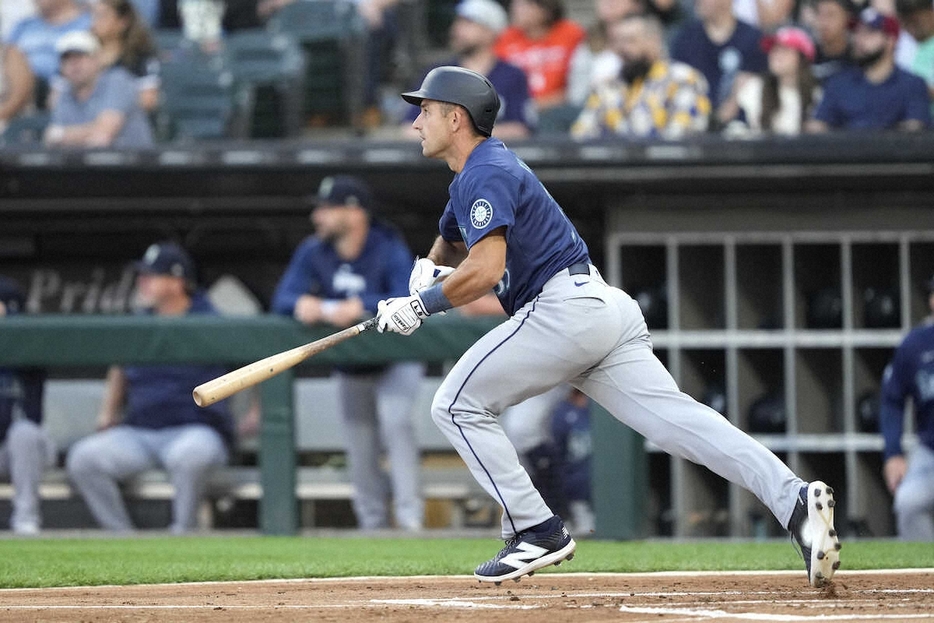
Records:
x=476, y=25
x=338, y=276
x=721, y=47
x=911, y=480
x=876, y=95
x=25, y=449
x=502, y=230
x=147, y=418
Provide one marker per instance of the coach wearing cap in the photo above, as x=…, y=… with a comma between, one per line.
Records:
x=97, y=108
x=476, y=26
x=147, y=418
x=338, y=276
x=875, y=95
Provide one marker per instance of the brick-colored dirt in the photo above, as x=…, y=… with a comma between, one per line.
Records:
x=573, y=598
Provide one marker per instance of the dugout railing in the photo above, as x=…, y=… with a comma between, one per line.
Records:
x=68, y=341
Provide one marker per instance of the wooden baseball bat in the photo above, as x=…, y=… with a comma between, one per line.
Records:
x=223, y=386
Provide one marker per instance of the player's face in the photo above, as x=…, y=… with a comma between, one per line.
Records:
x=433, y=126
x=153, y=290
x=330, y=221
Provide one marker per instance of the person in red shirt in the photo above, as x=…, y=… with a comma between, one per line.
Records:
x=540, y=40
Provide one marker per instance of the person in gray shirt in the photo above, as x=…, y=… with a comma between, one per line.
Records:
x=98, y=108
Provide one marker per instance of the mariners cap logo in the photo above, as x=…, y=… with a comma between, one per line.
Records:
x=481, y=213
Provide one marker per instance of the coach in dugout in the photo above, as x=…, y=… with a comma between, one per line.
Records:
x=25, y=449
x=337, y=277
x=147, y=418
x=98, y=108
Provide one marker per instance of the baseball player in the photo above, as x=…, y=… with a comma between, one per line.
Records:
x=502, y=230
x=147, y=419
x=911, y=373
x=338, y=276
x=25, y=449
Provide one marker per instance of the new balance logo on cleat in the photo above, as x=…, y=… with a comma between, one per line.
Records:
x=812, y=529
x=526, y=552
x=548, y=543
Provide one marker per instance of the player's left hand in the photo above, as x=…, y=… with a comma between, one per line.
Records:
x=400, y=315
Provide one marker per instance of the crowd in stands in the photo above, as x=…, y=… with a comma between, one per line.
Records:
x=641, y=69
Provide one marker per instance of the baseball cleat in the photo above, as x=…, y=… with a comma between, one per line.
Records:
x=811, y=527
x=548, y=543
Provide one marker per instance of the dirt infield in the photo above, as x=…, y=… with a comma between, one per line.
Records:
x=666, y=597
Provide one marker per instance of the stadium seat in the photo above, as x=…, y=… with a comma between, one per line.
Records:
x=25, y=129
x=333, y=36
x=200, y=102
x=273, y=66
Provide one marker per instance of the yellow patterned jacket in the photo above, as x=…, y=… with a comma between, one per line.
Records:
x=670, y=102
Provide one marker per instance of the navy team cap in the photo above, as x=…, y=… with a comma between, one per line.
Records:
x=167, y=258
x=342, y=190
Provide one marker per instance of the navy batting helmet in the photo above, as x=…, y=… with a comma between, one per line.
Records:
x=457, y=85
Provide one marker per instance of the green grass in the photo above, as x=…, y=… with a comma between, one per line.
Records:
x=75, y=562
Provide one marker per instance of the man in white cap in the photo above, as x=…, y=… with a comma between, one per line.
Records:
x=476, y=26
x=96, y=108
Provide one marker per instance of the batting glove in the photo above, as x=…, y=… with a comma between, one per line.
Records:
x=425, y=274
x=400, y=315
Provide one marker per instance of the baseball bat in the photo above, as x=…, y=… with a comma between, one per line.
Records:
x=249, y=375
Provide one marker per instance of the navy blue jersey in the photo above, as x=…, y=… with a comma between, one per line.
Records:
x=720, y=62
x=20, y=397
x=381, y=271
x=496, y=189
x=160, y=396
x=911, y=373
x=852, y=102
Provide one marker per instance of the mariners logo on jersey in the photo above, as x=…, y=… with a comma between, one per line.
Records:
x=481, y=213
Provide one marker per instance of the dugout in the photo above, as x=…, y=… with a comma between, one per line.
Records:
x=739, y=236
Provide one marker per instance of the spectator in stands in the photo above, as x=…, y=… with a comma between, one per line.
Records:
x=780, y=100
x=876, y=95
x=541, y=42
x=98, y=108
x=16, y=84
x=25, y=449
x=911, y=480
x=476, y=25
x=36, y=38
x=594, y=62
x=832, y=30
x=722, y=48
x=573, y=448
x=147, y=419
x=653, y=98
x=337, y=277
x=767, y=15
x=917, y=17
x=126, y=42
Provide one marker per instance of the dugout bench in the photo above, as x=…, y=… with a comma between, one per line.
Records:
x=64, y=341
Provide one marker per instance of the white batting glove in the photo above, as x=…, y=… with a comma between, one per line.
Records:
x=400, y=315
x=425, y=274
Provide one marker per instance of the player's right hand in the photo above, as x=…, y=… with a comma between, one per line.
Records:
x=425, y=274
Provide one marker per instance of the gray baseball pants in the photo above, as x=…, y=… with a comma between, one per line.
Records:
x=25, y=453
x=914, y=498
x=377, y=415
x=581, y=330
x=98, y=463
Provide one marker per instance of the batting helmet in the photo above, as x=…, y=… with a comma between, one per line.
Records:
x=456, y=85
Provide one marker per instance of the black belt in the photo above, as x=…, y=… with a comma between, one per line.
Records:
x=581, y=268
